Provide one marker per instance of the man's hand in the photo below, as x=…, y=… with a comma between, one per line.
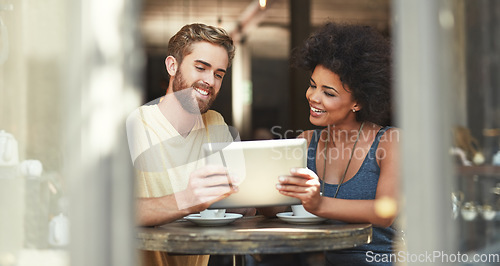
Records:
x=206, y=185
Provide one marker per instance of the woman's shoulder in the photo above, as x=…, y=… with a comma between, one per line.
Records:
x=390, y=135
x=389, y=142
x=384, y=133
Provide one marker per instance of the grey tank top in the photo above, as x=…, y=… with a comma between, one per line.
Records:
x=363, y=185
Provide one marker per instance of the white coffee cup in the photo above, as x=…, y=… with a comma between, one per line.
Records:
x=469, y=211
x=215, y=213
x=299, y=210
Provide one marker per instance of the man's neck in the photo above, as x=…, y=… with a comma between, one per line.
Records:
x=179, y=118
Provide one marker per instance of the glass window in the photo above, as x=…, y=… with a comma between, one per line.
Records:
x=68, y=79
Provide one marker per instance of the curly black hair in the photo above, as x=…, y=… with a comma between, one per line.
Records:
x=361, y=57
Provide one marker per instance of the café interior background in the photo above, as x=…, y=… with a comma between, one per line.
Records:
x=71, y=72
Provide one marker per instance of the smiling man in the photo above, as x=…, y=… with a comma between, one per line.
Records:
x=166, y=139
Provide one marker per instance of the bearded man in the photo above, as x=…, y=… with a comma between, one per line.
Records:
x=165, y=139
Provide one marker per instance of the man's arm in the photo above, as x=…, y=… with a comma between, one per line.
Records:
x=156, y=211
x=206, y=186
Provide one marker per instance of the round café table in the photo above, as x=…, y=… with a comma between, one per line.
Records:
x=252, y=235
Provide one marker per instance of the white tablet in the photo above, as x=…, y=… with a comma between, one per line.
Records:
x=257, y=166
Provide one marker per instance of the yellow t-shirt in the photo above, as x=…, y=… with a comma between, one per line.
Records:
x=163, y=160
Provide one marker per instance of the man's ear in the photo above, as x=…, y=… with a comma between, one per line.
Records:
x=171, y=65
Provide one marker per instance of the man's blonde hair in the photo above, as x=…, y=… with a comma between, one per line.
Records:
x=180, y=44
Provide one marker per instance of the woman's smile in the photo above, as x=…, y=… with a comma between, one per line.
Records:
x=316, y=112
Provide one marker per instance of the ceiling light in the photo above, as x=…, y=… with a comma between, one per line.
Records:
x=262, y=3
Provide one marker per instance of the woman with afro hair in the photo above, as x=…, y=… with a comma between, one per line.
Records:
x=352, y=164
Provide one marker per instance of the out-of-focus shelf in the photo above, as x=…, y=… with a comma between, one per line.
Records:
x=481, y=170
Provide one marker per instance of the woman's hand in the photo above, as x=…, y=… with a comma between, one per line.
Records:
x=303, y=184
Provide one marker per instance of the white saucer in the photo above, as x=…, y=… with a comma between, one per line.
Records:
x=228, y=218
x=289, y=218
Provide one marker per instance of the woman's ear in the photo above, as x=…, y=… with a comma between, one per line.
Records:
x=356, y=107
x=171, y=65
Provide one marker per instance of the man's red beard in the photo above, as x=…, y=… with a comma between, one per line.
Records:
x=185, y=95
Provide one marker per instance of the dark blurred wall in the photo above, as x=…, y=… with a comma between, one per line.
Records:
x=483, y=71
